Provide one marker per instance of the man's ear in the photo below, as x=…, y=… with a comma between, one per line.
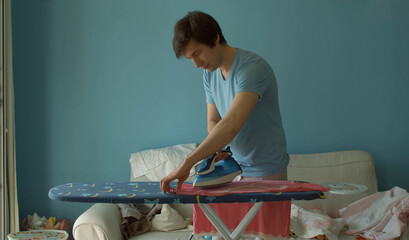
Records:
x=217, y=39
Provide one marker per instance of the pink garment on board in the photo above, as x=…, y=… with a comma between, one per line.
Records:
x=250, y=187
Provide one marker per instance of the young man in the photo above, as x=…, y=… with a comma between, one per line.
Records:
x=242, y=103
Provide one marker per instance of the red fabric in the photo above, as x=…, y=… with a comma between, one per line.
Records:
x=272, y=220
x=250, y=187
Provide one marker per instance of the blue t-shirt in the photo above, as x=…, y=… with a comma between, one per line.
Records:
x=260, y=146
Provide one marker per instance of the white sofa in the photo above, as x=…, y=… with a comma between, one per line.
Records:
x=102, y=221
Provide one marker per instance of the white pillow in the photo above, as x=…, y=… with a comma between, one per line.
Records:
x=168, y=220
x=158, y=163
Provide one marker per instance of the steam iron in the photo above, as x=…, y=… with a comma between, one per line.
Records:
x=210, y=173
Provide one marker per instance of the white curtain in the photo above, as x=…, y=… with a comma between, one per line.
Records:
x=9, y=205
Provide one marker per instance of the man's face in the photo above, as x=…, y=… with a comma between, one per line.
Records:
x=203, y=56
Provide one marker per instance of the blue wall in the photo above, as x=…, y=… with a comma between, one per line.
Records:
x=96, y=80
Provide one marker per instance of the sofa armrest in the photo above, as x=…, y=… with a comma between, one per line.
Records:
x=100, y=222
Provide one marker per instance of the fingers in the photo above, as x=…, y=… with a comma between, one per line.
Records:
x=221, y=156
x=180, y=183
x=182, y=180
x=165, y=185
x=180, y=173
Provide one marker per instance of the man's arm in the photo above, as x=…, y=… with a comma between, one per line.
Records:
x=213, y=117
x=221, y=134
x=227, y=128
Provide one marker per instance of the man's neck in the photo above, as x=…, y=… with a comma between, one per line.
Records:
x=227, y=59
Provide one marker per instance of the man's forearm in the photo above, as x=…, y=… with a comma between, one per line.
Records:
x=219, y=136
x=211, y=125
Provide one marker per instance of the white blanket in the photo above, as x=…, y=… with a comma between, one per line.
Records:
x=156, y=164
x=383, y=215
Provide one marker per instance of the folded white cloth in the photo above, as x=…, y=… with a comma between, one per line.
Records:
x=311, y=223
x=155, y=164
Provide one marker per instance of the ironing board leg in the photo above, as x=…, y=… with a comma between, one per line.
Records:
x=246, y=220
x=221, y=227
x=216, y=221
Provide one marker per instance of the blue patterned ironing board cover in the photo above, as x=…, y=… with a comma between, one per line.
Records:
x=150, y=193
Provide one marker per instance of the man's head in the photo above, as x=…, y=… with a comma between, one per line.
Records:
x=199, y=27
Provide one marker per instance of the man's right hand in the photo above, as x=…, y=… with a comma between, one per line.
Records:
x=181, y=173
x=220, y=155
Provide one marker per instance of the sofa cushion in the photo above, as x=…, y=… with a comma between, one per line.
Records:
x=334, y=167
x=321, y=168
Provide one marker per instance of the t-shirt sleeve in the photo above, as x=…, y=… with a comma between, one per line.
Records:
x=254, y=77
x=206, y=84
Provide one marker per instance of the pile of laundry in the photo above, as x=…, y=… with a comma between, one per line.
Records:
x=380, y=216
x=141, y=218
x=35, y=222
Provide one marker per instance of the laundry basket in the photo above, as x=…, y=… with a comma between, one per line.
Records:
x=39, y=234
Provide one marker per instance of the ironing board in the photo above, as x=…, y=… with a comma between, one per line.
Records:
x=150, y=193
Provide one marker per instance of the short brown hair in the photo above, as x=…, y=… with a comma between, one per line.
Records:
x=198, y=26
